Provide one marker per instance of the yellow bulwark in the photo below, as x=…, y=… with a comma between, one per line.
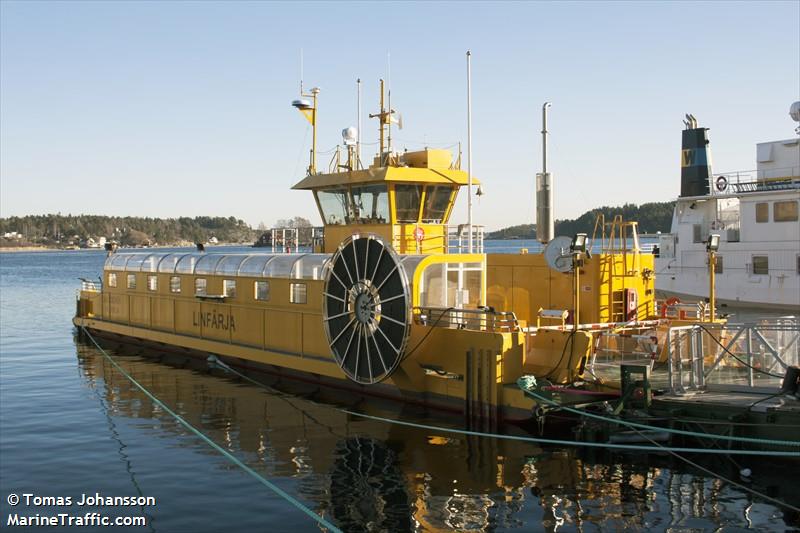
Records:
x=389, y=302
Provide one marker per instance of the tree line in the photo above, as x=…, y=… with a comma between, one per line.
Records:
x=652, y=217
x=61, y=229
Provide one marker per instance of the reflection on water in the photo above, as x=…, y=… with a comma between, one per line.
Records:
x=367, y=475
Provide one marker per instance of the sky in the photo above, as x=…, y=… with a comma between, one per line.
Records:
x=170, y=109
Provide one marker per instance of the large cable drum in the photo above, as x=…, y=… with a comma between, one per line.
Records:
x=366, y=308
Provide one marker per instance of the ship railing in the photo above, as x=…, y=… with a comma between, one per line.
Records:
x=458, y=238
x=481, y=319
x=732, y=357
x=88, y=285
x=773, y=179
x=285, y=239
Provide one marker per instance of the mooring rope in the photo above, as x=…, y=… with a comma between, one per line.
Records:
x=557, y=442
x=537, y=440
x=771, y=442
x=726, y=480
x=235, y=460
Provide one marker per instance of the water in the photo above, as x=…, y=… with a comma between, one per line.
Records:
x=71, y=424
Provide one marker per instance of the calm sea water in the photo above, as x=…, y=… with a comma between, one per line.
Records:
x=71, y=424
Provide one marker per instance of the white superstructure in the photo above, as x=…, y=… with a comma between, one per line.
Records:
x=756, y=215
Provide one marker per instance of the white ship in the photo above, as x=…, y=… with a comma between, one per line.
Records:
x=755, y=213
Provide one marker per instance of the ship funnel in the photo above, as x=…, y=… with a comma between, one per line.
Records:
x=695, y=159
x=544, y=190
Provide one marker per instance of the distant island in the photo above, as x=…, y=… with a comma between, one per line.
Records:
x=652, y=217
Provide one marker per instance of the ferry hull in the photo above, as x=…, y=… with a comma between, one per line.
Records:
x=310, y=369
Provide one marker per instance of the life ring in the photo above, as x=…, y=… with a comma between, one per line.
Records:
x=722, y=183
x=671, y=302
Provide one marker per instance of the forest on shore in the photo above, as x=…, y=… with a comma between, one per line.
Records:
x=652, y=217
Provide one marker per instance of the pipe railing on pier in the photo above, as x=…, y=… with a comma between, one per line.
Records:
x=731, y=357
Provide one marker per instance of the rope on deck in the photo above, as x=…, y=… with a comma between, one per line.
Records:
x=274, y=488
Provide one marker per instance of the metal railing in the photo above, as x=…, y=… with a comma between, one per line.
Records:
x=458, y=238
x=290, y=239
x=732, y=356
x=88, y=285
x=758, y=180
x=469, y=319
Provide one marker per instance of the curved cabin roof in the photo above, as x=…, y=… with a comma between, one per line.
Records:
x=411, y=174
x=295, y=266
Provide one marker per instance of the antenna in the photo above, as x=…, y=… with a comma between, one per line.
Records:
x=469, y=151
x=358, y=135
x=301, y=71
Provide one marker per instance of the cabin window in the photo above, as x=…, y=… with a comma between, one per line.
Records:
x=229, y=288
x=407, y=201
x=112, y=279
x=697, y=232
x=371, y=204
x=718, y=265
x=262, y=290
x=785, y=211
x=437, y=199
x=152, y=283
x=175, y=284
x=298, y=293
x=762, y=212
x=200, y=286
x=760, y=264
x=131, y=281
x=335, y=206
x=798, y=265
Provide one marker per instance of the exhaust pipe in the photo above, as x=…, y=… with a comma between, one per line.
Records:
x=544, y=190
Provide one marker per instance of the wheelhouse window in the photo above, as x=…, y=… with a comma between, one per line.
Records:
x=407, y=202
x=437, y=199
x=200, y=286
x=229, y=288
x=298, y=293
x=762, y=212
x=175, y=284
x=152, y=283
x=261, y=290
x=371, y=204
x=131, y=281
x=785, y=211
x=760, y=264
x=335, y=206
x=112, y=279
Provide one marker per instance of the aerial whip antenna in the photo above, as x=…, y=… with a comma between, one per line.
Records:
x=469, y=152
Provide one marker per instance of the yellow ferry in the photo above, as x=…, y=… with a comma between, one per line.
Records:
x=394, y=300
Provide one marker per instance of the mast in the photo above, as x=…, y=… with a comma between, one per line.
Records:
x=469, y=152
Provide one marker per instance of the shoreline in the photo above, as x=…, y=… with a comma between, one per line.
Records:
x=37, y=249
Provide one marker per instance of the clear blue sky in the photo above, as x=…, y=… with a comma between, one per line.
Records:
x=182, y=109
